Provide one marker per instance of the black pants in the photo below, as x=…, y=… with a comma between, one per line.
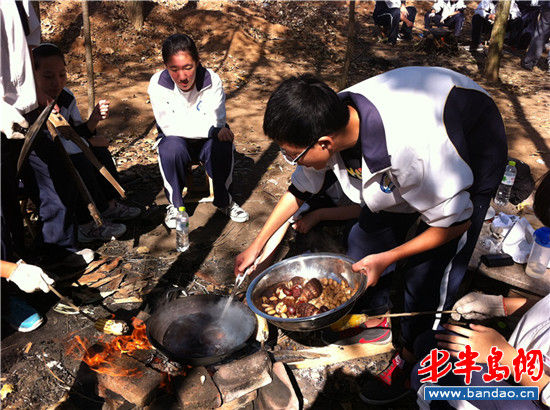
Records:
x=100, y=189
x=11, y=222
x=389, y=19
x=479, y=26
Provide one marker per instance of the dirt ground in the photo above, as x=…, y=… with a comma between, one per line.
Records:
x=252, y=46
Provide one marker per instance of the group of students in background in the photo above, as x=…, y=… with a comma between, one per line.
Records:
x=528, y=26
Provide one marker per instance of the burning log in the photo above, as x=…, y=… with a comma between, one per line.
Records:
x=117, y=370
x=100, y=358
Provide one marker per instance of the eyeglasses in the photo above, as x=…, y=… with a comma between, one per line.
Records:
x=294, y=161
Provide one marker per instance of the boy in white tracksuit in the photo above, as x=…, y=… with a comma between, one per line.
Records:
x=440, y=158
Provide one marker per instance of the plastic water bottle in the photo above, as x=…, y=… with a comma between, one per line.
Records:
x=182, y=230
x=503, y=193
x=540, y=253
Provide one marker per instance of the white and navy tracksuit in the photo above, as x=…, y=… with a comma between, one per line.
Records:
x=431, y=144
x=20, y=29
x=540, y=37
x=100, y=189
x=188, y=125
x=481, y=22
x=530, y=11
x=442, y=16
x=45, y=178
x=388, y=15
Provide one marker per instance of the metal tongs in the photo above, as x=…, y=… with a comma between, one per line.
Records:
x=267, y=250
x=240, y=278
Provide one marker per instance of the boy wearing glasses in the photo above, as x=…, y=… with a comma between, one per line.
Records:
x=439, y=161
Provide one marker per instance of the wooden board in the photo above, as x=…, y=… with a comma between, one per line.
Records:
x=337, y=354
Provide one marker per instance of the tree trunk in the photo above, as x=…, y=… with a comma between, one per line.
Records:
x=36, y=7
x=135, y=13
x=349, y=46
x=497, y=41
x=89, y=60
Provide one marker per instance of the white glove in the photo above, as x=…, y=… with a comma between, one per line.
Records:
x=478, y=306
x=10, y=116
x=30, y=278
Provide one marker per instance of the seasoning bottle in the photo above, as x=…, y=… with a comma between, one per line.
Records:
x=540, y=253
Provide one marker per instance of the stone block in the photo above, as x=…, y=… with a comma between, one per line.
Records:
x=138, y=387
x=279, y=394
x=196, y=390
x=241, y=403
x=240, y=377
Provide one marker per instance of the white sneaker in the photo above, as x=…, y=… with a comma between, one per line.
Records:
x=171, y=216
x=87, y=254
x=235, y=212
x=121, y=212
x=106, y=232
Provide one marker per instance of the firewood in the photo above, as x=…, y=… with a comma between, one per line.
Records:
x=90, y=278
x=94, y=265
x=108, y=267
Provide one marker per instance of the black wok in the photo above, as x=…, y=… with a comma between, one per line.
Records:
x=189, y=330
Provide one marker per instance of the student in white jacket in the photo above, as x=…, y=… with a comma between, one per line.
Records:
x=189, y=106
x=440, y=160
x=484, y=18
x=448, y=13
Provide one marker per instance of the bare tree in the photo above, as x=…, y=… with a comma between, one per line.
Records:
x=349, y=47
x=36, y=7
x=497, y=41
x=89, y=60
x=135, y=13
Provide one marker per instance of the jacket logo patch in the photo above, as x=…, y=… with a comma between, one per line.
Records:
x=356, y=173
x=386, y=185
x=199, y=105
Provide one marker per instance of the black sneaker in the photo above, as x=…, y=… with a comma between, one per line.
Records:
x=378, y=393
x=390, y=385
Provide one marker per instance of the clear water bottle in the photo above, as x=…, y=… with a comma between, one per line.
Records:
x=540, y=253
x=182, y=230
x=503, y=193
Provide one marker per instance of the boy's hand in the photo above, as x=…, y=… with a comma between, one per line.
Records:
x=372, y=266
x=9, y=116
x=101, y=110
x=98, y=141
x=306, y=222
x=480, y=339
x=245, y=259
x=225, y=134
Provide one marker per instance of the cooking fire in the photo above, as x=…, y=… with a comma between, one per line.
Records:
x=101, y=356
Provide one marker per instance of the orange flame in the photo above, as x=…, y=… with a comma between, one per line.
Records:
x=103, y=361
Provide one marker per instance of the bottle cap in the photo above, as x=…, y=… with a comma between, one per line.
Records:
x=542, y=236
x=181, y=209
x=512, y=163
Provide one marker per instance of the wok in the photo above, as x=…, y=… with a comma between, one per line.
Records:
x=189, y=330
x=313, y=265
